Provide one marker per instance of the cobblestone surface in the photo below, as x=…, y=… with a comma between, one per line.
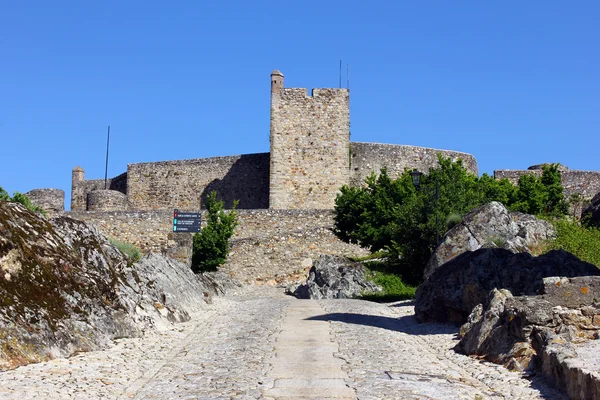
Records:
x=226, y=352
x=390, y=356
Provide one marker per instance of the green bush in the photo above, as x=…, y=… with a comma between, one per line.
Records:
x=211, y=244
x=392, y=215
x=131, y=251
x=394, y=288
x=577, y=239
x=541, y=195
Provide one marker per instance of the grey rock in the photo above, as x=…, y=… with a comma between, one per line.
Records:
x=333, y=277
x=490, y=225
x=454, y=289
x=539, y=332
x=64, y=288
x=592, y=212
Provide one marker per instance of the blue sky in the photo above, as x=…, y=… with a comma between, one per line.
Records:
x=513, y=83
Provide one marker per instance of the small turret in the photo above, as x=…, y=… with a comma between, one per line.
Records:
x=276, y=82
x=77, y=176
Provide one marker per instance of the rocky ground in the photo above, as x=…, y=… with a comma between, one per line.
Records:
x=229, y=351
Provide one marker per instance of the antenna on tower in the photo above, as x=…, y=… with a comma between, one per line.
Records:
x=340, y=74
x=106, y=169
x=347, y=76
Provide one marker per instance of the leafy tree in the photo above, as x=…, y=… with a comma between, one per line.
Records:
x=392, y=214
x=541, y=195
x=211, y=244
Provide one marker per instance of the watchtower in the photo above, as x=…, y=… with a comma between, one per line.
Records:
x=310, y=146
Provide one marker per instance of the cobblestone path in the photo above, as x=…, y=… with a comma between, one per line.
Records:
x=242, y=347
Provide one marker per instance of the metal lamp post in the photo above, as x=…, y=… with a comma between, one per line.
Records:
x=416, y=180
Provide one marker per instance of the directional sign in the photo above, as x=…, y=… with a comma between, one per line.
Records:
x=186, y=221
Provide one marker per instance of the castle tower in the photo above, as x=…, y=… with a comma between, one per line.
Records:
x=78, y=175
x=310, y=146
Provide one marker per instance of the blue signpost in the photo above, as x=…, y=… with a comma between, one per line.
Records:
x=186, y=221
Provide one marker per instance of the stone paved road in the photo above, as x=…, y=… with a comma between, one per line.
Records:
x=233, y=351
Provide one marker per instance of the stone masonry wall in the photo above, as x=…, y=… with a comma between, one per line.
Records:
x=266, y=244
x=81, y=189
x=50, y=200
x=182, y=184
x=369, y=157
x=106, y=200
x=309, y=147
x=587, y=183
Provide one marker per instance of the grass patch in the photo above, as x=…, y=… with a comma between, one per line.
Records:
x=132, y=252
x=575, y=238
x=394, y=289
x=369, y=257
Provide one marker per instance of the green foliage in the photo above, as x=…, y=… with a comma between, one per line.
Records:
x=4, y=195
x=392, y=215
x=541, y=195
x=131, y=251
x=453, y=220
x=577, y=239
x=21, y=199
x=394, y=288
x=211, y=244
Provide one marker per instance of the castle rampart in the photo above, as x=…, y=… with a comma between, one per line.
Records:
x=371, y=157
x=586, y=183
x=184, y=183
x=51, y=200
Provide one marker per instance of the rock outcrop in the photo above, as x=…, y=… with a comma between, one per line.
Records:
x=64, y=288
x=592, y=213
x=334, y=277
x=454, y=289
x=490, y=225
x=533, y=332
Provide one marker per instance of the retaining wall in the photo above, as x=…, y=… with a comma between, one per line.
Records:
x=266, y=244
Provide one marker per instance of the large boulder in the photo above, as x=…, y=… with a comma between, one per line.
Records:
x=539, y=332
x=592, y=213
x=335, y=277
x=490, y=225
x=64, y=288
x=454, y=289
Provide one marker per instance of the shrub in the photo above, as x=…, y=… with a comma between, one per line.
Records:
x=211, y=244
x=394, y=288
x=577, y=239
x=131, y=251
x=541, y=195
x=452, y=220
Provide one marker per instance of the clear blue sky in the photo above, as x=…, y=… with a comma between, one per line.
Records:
x=513, y=83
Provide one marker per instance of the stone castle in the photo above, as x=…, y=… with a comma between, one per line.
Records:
x=285, y=196
x=310, y=158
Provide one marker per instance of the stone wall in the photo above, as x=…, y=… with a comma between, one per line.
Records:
x=587, y=183
x=80, y=189
x=50, y=200
x=106, y=200
x=310, y=138
x=266, y=244
x=182, y=184
x=369, y=157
